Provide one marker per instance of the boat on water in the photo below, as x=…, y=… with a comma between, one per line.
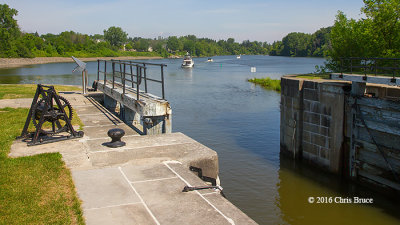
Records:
x=187, y=61
x=238, y=57
x=210, y=60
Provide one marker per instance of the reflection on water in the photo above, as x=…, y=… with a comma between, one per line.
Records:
x=298, y=182
x=214, y=104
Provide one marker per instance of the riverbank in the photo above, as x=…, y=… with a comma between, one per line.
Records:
x=267, y=83
x=275, y=85
x=18, y=62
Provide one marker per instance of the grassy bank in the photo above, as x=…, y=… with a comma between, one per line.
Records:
x=12, y=91
x=314, y=76
x=35, y=189
x=275, y=85
x=267, y=83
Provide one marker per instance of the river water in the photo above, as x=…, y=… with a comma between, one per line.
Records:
x=215, y=105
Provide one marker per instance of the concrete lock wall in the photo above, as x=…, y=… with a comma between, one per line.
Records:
x=312, y=121
x=321, y=124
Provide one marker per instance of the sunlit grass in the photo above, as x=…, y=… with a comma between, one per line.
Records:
x=267, y=83
x=314, y=76
x=13, y=91
x=35, y=189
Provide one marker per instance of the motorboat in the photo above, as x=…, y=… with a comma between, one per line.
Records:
x=238, y=57
x=187, y=61
x=210, y=60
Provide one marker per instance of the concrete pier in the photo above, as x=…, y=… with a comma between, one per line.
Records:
x=142, y=182
x=154, y=113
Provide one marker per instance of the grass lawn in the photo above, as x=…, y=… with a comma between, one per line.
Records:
x=267, y=83
x=275, y=85
x=12, y=91
x=314, y=76
x=34, y=189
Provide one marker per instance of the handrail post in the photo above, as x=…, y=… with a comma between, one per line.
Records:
x=130, y=65
x=98, y=70
x=113, y=78
x=145, y=78
x=105, y=72
x=162, y=81
x=123, y=80
x=120, y=70
x=137, y=82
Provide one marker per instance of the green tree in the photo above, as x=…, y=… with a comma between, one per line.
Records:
x=9, y=31
x=296, y=44
x=189, y=45
x=276, y=48
x=174, y=44
x=320, y=42
x=142, y=45
x=115, y=36
x=384, y=26
x=376, y=36
x=128, y=46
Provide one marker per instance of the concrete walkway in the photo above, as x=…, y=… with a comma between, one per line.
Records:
x=142, y=182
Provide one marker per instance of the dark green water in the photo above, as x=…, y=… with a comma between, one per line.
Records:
x=214, y=104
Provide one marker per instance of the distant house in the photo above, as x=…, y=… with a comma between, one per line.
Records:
x=150, y=49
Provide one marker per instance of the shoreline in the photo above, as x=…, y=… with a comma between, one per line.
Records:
x=20, y=62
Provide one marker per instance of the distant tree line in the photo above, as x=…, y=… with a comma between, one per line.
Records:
x=377, y=35
x=115, y=42
x=302, y=44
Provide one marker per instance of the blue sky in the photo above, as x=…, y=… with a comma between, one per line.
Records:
x=261, y=20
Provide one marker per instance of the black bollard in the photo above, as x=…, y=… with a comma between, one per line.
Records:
x=115, y=134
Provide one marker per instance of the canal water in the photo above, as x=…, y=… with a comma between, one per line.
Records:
x=215, y=105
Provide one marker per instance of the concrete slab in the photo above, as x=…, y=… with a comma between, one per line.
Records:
x=96, y=120
x=101, y=188
x=97, y=132
x=228, y=209
x=19, y=148
x=126, y=214
x=191, y=177
x=166, y=201
x=144, y=141
x=147, y=172
x=140, y=183
x=191, y=154
x=87, y=110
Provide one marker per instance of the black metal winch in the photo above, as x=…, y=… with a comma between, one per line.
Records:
x=52, y=110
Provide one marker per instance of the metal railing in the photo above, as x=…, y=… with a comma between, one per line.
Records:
x=383, y=66
x=129, y=72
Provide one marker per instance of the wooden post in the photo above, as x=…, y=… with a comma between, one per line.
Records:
x=357, y=91
x=84, y=81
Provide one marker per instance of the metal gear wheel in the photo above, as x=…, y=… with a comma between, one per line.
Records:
x=53, y=115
